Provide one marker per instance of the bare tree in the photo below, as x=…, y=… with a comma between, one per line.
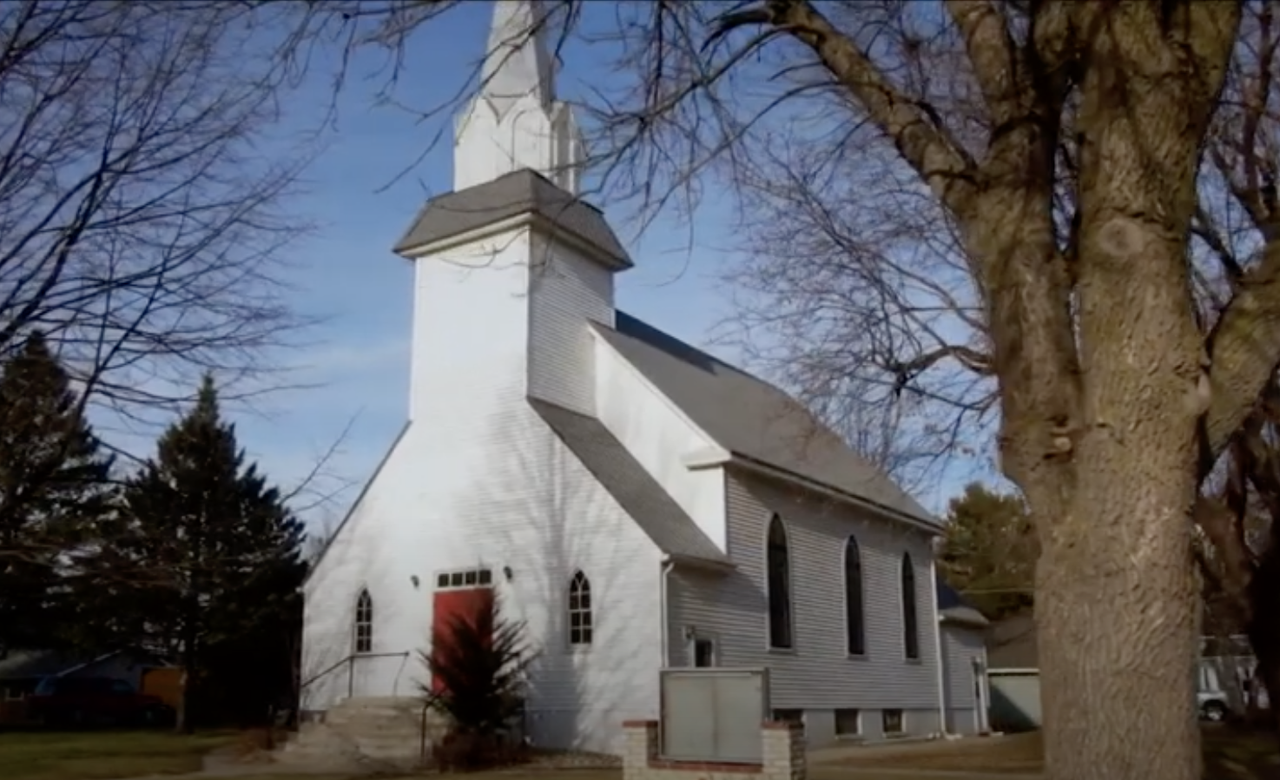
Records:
x=141, y=207
x=988, y=206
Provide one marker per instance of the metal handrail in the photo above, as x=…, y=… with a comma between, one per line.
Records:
x=349, y=660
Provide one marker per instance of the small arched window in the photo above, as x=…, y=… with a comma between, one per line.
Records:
x=854, y=624
x=778, y=565
x=364, y=623
x=910, y=620
x=580, y=624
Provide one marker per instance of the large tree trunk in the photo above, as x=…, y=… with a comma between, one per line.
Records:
x=1116, y=595
x=1121, y=548
x=1102, y=366
x=190, y=659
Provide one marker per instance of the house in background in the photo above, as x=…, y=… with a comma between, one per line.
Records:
x=1013, y=674
x=638, y=503
x=21, y=671
x=1011, y=643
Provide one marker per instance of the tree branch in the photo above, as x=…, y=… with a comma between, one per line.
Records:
x=997, y=65
x=926, y=145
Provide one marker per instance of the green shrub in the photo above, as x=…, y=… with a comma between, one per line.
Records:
x=478, y=661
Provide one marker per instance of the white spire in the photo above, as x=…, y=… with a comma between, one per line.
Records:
x=518, y=60
x=516, y=122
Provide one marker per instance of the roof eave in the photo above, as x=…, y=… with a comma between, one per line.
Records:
x=699, y=562
x=351, y=510
x=531, y=219
x=724, y=458
x=965, y=616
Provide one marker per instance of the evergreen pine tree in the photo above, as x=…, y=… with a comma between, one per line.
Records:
x=217, y=555
x=55, y=488
x=989, y=551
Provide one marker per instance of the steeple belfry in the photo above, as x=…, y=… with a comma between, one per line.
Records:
x=515, y=121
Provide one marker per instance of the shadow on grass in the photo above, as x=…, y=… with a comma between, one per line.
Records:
x=103, y=755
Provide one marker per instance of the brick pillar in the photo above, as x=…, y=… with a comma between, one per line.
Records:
x=783, y=752
x=641, y=747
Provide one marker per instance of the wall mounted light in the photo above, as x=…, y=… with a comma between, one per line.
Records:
x=506, y=572
x=414, y=579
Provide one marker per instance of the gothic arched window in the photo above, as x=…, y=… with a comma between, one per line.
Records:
x=778, y=566
x=364, y=623
x=910, y=620
x=580, y=609
x=854, y=622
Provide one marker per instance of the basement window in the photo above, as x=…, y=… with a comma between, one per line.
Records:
x=795, y=717
x=893, y=721
x=848, y=723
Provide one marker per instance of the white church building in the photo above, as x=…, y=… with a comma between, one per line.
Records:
x=637, y=502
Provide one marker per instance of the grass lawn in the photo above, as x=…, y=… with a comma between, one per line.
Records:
x=1229, y=753
x=1011, y=754
x=102, y=755
x=510, y=774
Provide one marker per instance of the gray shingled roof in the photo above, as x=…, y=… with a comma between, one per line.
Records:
x=521, y=192
x=608, y=460
x=1012, y=643
x=752, y=418
x=955, y=607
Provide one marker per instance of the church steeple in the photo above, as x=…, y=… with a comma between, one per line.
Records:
x=515, y=121
x=518, y=60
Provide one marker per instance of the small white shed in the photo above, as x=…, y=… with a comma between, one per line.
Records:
x=962, y=633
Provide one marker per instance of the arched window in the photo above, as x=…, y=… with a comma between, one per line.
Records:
x=579, y=609
x=854, y=625
x=910, y=621
x=779, y=581
x=364, y=623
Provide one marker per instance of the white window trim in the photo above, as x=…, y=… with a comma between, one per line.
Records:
x=691, y=648
x=479, y=571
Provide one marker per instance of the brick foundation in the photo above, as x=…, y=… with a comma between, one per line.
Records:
x=783, y=756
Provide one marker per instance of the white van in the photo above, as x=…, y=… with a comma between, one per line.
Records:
x=1211, y=695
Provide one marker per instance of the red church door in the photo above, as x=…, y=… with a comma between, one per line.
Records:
x=470, y=597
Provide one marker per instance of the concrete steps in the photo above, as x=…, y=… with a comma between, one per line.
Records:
x=364, y=733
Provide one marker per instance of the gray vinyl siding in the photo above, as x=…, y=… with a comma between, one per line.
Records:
x=817, y=674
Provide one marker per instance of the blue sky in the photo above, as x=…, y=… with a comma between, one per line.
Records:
x=377, y=168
